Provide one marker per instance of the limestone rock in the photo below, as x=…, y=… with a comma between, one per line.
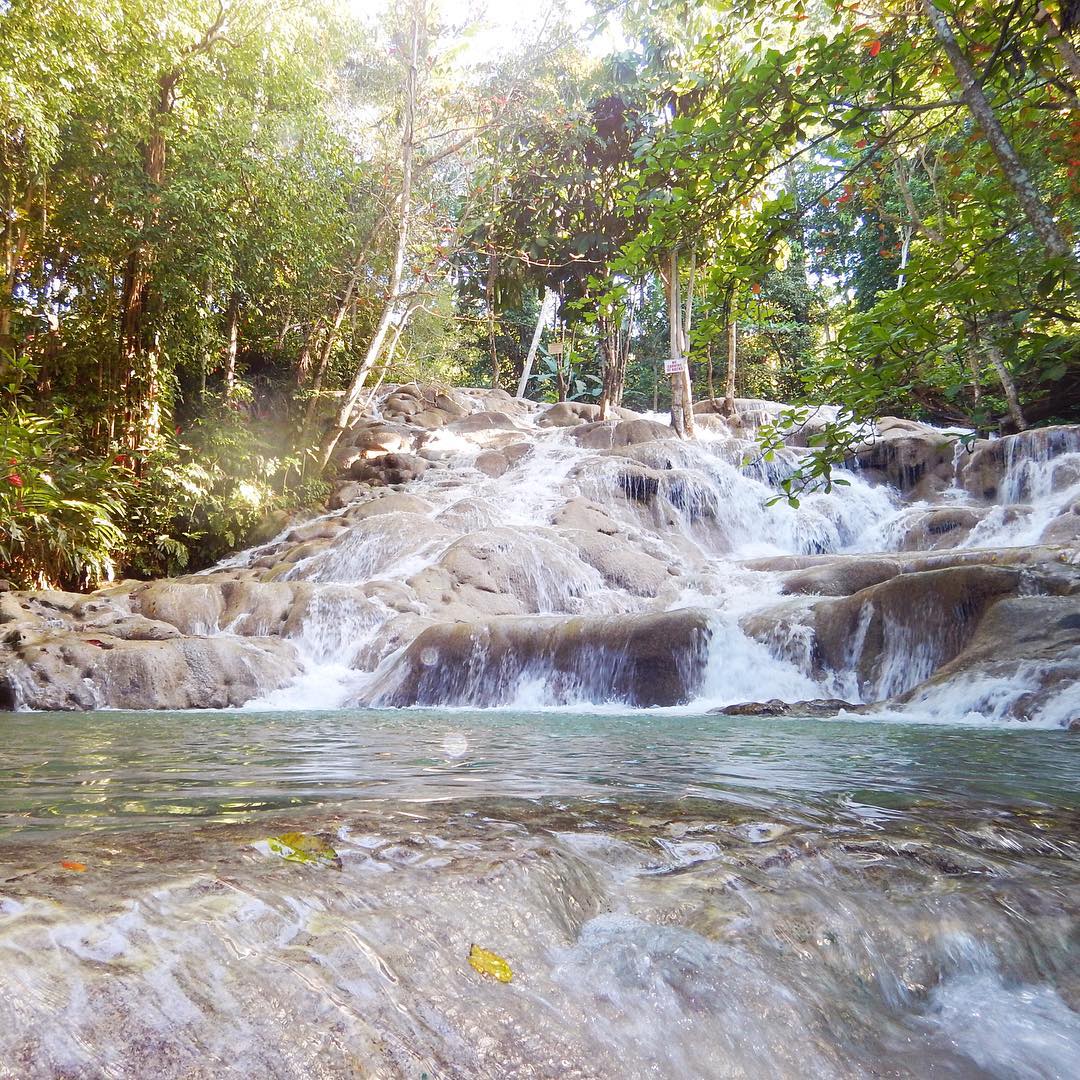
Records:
x=389, y=502
x=615, y=433
x=60, y=670
x=893, y=635
x=389, y=469
x=1026, y=653
x=776, y=707
x=569, y=414
x=483, y=422
x=914, y=462
x=640, y=660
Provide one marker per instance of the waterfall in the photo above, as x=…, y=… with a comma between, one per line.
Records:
x=537, y=523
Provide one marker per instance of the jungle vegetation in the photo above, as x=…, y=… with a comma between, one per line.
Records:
x=223, y=222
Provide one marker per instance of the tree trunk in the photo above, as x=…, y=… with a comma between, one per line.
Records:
x=976, y=375
x=541, y=319
x=138, y=352
x=615, y=344
x=732, y=356
x=232, y=342
x=682, y=404
x=1061, y=43
x=987, y=344
x=391, y=352
x=393, y=301
x=493, y=351
x=327, y=348
x=1013, y=169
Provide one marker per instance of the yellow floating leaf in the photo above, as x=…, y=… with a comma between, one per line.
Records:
x=489, y=963
x=78, y=867
x=303, y=848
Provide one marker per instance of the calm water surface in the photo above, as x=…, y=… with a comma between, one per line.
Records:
x=113, y=769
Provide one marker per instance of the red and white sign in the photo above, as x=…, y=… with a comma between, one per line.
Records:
x=674, y=364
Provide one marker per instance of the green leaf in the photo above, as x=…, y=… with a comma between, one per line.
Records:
x=305, y=848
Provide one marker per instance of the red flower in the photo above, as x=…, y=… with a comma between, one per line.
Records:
x=875, y=48
x=13, y=461
x=15, y=480
x=755, y=288
x=120, y=459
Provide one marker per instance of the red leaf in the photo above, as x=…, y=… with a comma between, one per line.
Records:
x=875, y=48
x=78, y=867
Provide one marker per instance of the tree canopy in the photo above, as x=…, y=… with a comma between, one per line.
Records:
x=222, y=223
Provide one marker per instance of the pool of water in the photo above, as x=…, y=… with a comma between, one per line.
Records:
x=65, y=771
x=676, y=895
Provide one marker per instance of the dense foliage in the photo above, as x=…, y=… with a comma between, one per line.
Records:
x=222, y=223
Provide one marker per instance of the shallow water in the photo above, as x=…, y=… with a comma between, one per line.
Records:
x=677, y=895
x=105, y=770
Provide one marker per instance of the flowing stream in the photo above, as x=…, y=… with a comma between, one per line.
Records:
x=677, y=895
x=713, y=519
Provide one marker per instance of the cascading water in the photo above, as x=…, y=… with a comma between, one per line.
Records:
x=473, y=544
x=718, y=513
x=683, y=897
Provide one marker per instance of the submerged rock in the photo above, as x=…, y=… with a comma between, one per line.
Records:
x=776, y=707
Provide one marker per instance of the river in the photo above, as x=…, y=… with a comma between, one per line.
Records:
x=677, y=895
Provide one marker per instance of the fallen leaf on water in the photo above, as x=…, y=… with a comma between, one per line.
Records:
x=489, y=963
x=302, y=848
x=78, y=867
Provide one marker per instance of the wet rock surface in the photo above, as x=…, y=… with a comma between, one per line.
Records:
x=636, y=660
x=777, y=707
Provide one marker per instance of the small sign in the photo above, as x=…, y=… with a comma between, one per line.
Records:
x=674, y=364
x=556, y=348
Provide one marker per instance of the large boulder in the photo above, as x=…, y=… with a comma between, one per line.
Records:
x=1004, y=470
x=370, y=546
x=483, y=423
x=569, y=414
x=640, y=660
x=502, y=455
x=620, y=563
x=374, y=437
x=891, y=636
x=1022, y=663
x=608, y=434
x=1065, y=528
x=388, y=502
x=389, y=469
x=504, y=571
x=916, y=462
x=61, y=670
